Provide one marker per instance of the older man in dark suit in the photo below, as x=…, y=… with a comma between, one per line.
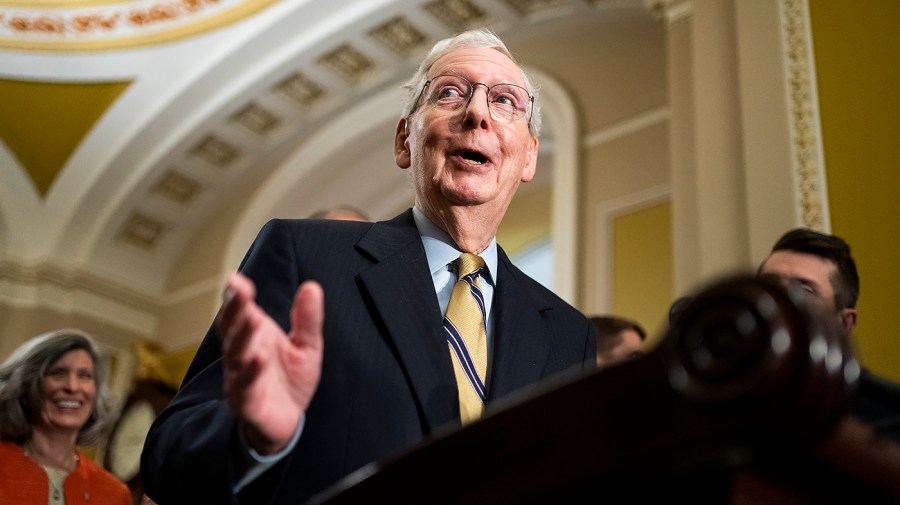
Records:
x=331, y=347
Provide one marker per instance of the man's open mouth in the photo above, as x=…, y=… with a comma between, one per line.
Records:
x=474, y=157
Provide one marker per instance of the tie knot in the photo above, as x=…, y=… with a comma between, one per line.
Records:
x=469, y=263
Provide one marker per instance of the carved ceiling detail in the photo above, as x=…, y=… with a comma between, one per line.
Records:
x=83, y=24
x=142, y=231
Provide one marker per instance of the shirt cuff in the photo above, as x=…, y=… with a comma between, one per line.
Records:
x=251, y=464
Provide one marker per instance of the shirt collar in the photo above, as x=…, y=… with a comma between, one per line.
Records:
x=440, y=249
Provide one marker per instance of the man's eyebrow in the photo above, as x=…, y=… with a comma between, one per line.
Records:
x=806, y=281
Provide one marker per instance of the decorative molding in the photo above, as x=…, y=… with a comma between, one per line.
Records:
x=208, y=287
x=669, y=10
x=806, y=137
x=73, y=291
x=627, y=127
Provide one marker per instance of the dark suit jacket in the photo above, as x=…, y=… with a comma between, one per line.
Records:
x=387, y=380
x=877, y=402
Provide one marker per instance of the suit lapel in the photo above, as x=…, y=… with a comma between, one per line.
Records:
x=396, y=284
x=521, y=345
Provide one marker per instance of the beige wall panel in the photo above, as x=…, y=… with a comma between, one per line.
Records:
x=613, y=69
x=626, y=165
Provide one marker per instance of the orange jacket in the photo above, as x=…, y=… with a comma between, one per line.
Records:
x=24, y=482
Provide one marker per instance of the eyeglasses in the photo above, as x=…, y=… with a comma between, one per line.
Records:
x=507, y=102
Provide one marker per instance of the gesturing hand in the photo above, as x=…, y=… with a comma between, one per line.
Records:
x=269, y=376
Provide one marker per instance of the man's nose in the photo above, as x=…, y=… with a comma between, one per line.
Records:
x=786, y=284
x=478, y=110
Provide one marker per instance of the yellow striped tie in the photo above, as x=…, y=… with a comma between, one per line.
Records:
x=464, y=324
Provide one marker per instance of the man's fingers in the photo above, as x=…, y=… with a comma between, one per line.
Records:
x=239, y=286
x=308, y=315
x=238, y=292
x=238, y=317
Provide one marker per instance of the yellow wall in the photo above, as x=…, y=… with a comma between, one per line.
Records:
x=177, y=363
x=642, y=267
x=857, y=57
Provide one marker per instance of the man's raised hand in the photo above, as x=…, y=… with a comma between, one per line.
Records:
x=269, y=376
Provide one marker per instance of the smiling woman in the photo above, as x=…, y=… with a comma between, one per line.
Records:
x=52, y=397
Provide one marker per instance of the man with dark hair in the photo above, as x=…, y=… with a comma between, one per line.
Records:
x=618, y=339
x=822, y=266
x=801, y=248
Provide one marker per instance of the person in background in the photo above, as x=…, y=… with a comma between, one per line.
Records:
x=342, y=212
x=339, y=344
x=618, y=339
x=822, y=266
x=52, y=398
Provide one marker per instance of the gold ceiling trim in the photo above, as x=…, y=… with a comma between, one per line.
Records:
x=101, y=26
x=31, y=4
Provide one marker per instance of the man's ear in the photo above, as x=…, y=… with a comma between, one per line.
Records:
x=848, y=320
x=531, y=157
x=401, y=144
